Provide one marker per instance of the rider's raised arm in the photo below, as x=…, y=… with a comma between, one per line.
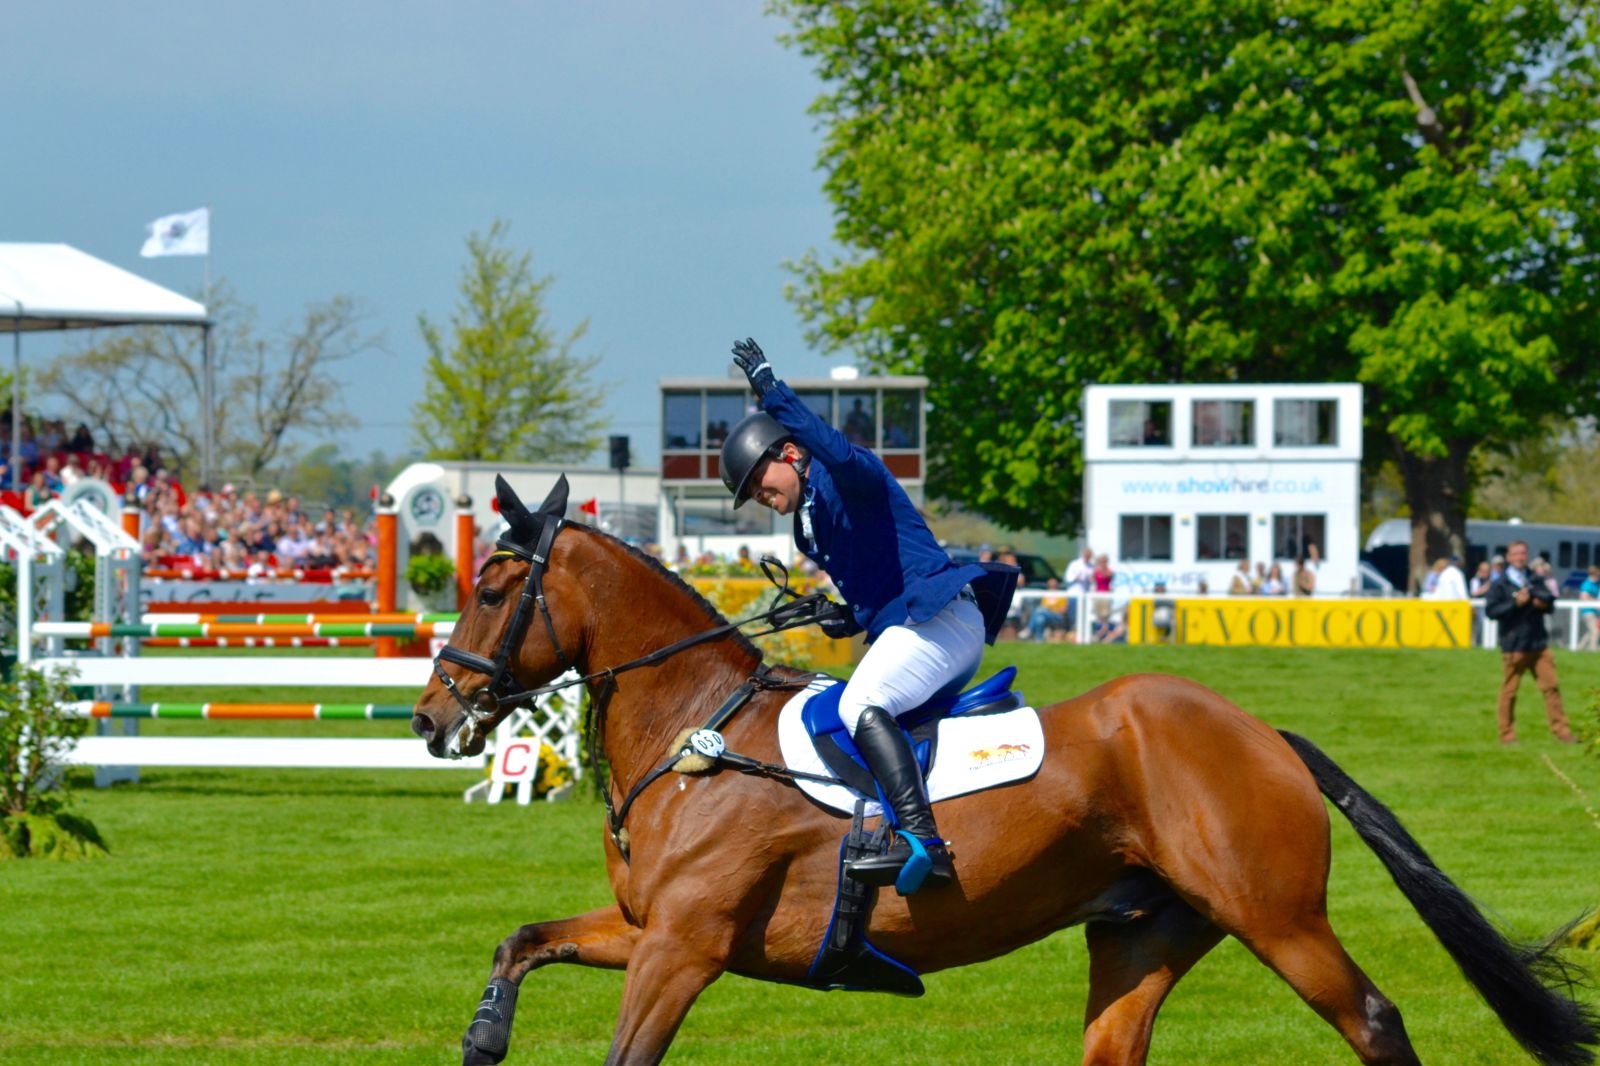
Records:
x=826, y=444
x=845, y=461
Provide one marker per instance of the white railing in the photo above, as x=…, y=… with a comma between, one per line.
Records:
x=1567, y=623
x=1082, y=610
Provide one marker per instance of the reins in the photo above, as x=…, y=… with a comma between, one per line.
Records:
x=487, y=701
x=799, y=611
x=792, y=615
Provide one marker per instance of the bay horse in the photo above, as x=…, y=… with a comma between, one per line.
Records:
x=1164, y=818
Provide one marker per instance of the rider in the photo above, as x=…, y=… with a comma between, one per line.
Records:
x=919, y=611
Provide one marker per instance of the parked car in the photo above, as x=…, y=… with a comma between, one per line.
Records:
x=1373, y=581
x=1036, y=569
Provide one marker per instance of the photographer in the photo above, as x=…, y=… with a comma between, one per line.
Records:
x=1518, y=601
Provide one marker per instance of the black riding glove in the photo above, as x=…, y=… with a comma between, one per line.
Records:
x=749, y=357
x=840, y=624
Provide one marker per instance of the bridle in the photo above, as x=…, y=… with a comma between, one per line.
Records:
x=488, y=700
x=502, y=690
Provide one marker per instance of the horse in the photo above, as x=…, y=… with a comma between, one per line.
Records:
x=1144, y=823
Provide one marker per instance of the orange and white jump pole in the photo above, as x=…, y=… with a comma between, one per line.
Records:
x=388, y=526
x=466, y=541
x=129, y=516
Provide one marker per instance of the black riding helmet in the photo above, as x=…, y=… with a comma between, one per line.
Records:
x=756, y=437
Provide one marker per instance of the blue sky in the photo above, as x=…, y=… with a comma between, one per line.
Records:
x=657, y=159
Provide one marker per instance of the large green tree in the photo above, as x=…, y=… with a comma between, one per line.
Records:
x=502, y=385
x=1033, y=197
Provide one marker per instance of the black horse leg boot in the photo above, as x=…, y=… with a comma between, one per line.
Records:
x=892, y=763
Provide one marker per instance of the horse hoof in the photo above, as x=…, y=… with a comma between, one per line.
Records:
x=473, y=1056
x=489, y=1036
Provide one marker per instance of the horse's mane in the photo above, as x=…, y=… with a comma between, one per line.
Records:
x=651, y=563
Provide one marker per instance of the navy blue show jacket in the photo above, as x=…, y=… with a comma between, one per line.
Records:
x=865, y=531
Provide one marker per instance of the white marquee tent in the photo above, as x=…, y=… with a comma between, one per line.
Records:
x=55, y=286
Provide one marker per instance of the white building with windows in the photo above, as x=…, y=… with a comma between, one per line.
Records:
x=1182, y=482
x=697, y=514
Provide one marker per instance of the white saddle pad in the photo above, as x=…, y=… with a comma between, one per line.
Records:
x=973, y=753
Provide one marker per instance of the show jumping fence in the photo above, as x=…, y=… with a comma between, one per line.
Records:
x=251, y=711
x=147, y=630
x=104, y=655
x=259, y=642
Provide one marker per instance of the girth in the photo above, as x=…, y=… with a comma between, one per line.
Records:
x=760, y=681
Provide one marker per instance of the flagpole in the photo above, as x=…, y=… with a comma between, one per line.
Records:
x=209, y=215
x=206, y=398
x=16, y=400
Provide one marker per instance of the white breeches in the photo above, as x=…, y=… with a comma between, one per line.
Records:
x=910, y=663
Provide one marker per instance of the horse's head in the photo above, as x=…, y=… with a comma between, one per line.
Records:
x=522, y=627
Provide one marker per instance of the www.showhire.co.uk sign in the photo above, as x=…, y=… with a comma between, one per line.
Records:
x=1307, y=623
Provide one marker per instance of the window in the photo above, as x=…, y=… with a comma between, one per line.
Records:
x=1564, y=554
x=711, y=517
x=858, y=411
x=902, y=424
x=1305, y=423
x=723, y=411
x=1583, y=556
x=1141, y=423
x=680, y=420
x=821, y=404
x=1224, y=423
x=1146, y=537
x=1222, y=536
x=1295, y=534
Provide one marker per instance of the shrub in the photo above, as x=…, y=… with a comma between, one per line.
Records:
x=554, y=773
x=80, y=592
x=803, y=648
x=35, y=737
x=79, y=602
x=8, y=604
x=428, y=574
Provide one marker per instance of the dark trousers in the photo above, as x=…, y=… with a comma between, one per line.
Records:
x=1543, y=667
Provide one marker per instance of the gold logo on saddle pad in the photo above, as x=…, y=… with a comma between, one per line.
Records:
x=1000, y=753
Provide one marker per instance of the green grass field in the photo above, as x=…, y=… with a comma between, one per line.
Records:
x=320, y=916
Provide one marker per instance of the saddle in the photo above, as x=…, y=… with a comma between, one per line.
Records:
x=838, y=752
x=989, y=717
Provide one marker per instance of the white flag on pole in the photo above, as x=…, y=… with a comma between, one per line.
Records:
x=188, y=233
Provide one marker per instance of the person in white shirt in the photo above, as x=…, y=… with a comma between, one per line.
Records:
x=1080, y=572
x=1450, y=583
x=1481, y=580
x=1079, y=579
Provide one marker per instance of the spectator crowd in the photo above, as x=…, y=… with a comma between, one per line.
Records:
x=49, y=459
x=249, y=532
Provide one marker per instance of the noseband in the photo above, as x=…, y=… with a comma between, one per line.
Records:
x=501, y=689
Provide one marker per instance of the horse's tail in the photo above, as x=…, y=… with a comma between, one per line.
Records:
x=1528, y=985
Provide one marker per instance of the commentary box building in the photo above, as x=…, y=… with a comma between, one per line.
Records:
x=885, y=414
x=1181, y=482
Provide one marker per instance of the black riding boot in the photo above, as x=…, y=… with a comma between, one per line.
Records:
x=892, y=763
